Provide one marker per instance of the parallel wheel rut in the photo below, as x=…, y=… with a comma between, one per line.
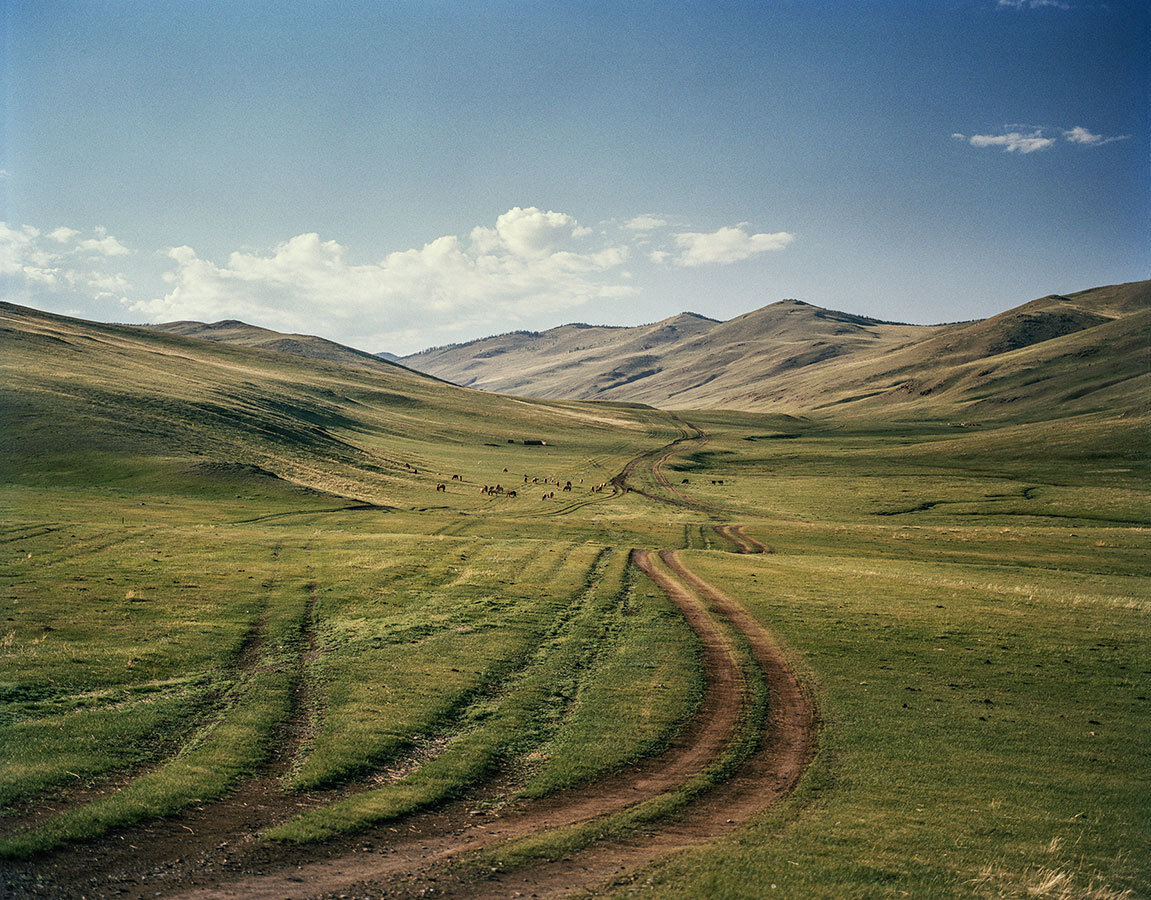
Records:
x=418, y=855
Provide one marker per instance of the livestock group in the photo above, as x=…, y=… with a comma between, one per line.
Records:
x=562, y=485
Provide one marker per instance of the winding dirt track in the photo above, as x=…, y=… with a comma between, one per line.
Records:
x=226, y=860
x=744, y=543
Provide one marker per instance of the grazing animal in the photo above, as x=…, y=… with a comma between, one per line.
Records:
x=505, y=468
x=717, y=481
x=568, y=486
x=456, y=478
x=686, y=481
x=511, y=493
x=442, y=487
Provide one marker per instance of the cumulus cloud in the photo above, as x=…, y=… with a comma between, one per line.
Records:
x=1013, y=141
x=526, y=262
x=1080, y=135
x=63, y=235
x=529, y=262
x=533, y=233
x=102, y=244
x=32, y=262
x=645, y=223
x=726, y=245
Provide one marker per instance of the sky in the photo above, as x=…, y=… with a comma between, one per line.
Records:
x=398, y=175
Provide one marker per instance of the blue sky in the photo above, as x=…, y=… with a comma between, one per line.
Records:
x=397, y=175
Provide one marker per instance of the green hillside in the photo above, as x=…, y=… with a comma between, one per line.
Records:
x=84, y=401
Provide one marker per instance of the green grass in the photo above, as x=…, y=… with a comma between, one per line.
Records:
x=556, y=843
x=409, y=638
x=981, y=667
x=632, y=701
x=231, y=745
x=511, y=721
x=974, y=716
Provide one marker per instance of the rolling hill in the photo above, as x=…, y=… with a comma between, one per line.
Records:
x=1083, y=351
x=115, y=405
x=232, y=331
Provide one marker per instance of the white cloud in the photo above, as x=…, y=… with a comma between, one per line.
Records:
x=645, y=223
x=1013, y=141
x=103, y=244
x=63, y=235
x=525, y=264
x=32, y=262
x=726, y=245
x=491, y=277
x=1080, y=135
x=1025, y=139
x=531, y=232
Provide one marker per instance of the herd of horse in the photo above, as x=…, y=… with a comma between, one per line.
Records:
x=497, y=489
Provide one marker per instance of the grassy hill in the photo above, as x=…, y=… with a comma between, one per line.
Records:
x=1076, y=352
x=232, y=331
x=81, y=398
x=557, y=362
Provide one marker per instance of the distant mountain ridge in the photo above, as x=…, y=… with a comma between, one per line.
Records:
x=1053, y=355
x=793, y=356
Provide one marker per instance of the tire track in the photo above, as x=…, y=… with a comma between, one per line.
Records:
x=743, y=542
x=421, y=860
x=416, y=859
x=788, y=745
x=33, y=813
x=413, y=867
x=175, y=847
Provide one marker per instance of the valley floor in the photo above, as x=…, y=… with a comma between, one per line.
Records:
x=742, y=656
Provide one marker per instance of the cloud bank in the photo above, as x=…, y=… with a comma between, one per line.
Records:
x=61, y=262
x=530, y=261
